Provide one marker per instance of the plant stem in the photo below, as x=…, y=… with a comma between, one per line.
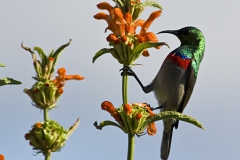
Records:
x=45, y=114
x=131, y=137
x=124, y=88
x=131, y=141
x=48, y=156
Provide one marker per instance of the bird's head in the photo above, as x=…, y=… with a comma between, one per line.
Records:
x=187, y=35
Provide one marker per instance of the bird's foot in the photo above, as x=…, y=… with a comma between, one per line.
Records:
x=156, y=108
x=127, y=70
x=142, y=134
x=152, y=108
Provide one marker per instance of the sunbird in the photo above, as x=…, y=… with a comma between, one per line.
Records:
x=174, y=83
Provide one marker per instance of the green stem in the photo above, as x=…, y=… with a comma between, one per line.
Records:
x=131, y=141
x=125, y=88
x=131, y=137
x=48, y=156
x=45, y=116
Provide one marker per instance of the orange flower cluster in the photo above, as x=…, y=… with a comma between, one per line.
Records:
x=124, y=28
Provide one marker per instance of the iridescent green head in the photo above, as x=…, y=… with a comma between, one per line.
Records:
x=188, y=35
x=192, y=45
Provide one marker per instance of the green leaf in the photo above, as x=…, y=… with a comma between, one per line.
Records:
x=169, y=115
x=119, y=3
x=41, y=54
x=2, y=65
x=6, y=81
x=51, y=53
x=100, y=53
x=146, y=45
x=57, y=53
x=38, y=68
x=105, y=123
x=59, y=50
x=150, y=3
x=73, y=128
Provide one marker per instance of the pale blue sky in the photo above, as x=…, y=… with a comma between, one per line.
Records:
x=50, y=24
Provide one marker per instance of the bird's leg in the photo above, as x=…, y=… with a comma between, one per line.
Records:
x=156, y=108
x=130, y=72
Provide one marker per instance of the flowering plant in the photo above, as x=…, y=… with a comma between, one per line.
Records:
x=48, y=136
x=126, y=46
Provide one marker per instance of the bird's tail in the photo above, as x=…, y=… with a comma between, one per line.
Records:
x=166, y=144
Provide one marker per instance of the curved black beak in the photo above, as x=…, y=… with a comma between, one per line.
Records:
x=175, y=32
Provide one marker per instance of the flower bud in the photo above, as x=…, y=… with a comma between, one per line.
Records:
x=138, y=116
x=47, y=136
x=108, y=106
x=127, y=108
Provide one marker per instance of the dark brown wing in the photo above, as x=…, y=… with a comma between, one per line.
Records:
x=190, y=82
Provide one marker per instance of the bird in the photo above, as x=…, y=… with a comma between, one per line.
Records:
x=174, y=82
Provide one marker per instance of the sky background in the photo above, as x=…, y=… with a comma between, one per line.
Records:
x=49, y=24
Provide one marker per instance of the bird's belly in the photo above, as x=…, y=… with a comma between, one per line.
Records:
x=170, y=89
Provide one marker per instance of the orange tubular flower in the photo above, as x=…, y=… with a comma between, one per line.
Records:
x=149, y=21
x=145, y=36
x=108, y=106
x=113, y=38
x=2, y=157
x=62, y=77
x=130, y=26
x=149, y=110
x=151, y=129
x=117, y=117
x=105, y=5
x=115, y=18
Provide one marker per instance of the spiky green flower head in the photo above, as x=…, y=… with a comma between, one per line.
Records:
x=136, y=118
x=130, y=118
x=46, y=91
x=44, y=94
x=49, y=136
x=45, y=66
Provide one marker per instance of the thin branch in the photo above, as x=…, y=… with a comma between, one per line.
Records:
x=29, y=50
